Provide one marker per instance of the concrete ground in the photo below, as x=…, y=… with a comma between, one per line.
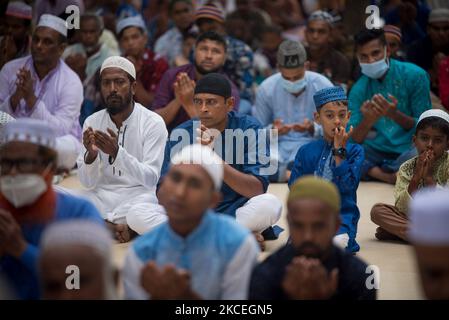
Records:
x=398, y=274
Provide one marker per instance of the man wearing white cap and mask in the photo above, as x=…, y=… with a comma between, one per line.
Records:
x=41, y=86
x=80, y=243
x=429, y=234
x=122, y=155
x=28, y=202
x=197, y=254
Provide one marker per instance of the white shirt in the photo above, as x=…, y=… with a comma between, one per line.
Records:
x=137, y=166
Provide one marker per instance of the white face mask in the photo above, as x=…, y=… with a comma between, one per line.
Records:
x=376, y=69
x=294, y=87
x=22, y=189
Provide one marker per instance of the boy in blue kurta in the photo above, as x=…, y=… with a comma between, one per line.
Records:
x=334, y=159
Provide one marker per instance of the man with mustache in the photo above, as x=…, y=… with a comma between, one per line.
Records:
x=41, y=86
x=310, y=267
x=29, y=203
x=122, y=154
x=174, y=96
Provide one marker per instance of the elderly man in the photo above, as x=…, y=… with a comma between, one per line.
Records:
x=197, y=254
x=150, y=68
x=174, y=97
x=429, y=225
x=83, y=244
x=28, y=202
x=122, y=154
x=42, y=86
x=310, y=267
x=16, y=41
x=385, y=104
x=245, y=176
x=323, y=58
x=284, y=102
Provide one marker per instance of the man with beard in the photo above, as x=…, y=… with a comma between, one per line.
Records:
x=29, y=203
x=174, y=96
x=121, y=159
x=310, y=267
x=41, y=86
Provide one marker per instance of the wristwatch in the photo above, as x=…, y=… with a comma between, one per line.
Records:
x=340, y=152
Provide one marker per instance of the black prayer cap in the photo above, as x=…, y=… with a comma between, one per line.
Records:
x=214, y=83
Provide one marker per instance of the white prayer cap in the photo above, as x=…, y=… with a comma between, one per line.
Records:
x=434, y=113
x=429, y=217
x=53, y=22
x=121, y=63
x=30, y=130
x=19, y=10
x=78, y=232
x=135, y=21
x=4, y=119
x=203, y=156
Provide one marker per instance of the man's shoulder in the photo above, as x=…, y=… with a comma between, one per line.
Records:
x=68, y=75
x=172, y=72
x=96, y=117
x=269, y=84
x=145, y=245
x=276, y=262
x=75, y=207
x=317, y=81
x=350, y=264
x=149, y=116
x=243, y=121
x=11, y=67
x=407, y=69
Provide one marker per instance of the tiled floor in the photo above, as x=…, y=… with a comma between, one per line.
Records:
x=398, y=276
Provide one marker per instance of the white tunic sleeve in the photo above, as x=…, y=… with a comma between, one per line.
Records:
x=237, y=274
x=131, y=275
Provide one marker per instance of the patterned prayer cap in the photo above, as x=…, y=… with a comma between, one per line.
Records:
x=439, y=15
x=394, y=31
x=30, y=130
x=321, y=15
x=19, y=10
x=210, y=12
x=291, y=54
x=327, y=95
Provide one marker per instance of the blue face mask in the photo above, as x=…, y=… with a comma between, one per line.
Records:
x=294, y=87
x=376, y=69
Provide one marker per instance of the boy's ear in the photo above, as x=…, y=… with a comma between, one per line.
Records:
x=414, y=139
x=316, y=117
x=349, y=115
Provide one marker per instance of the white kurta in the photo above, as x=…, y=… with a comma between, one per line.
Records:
x=125, y=191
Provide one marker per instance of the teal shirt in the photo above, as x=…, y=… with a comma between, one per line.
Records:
x=411, y=87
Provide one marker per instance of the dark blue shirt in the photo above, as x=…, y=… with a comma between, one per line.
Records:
x=243, y=158
x=315, y=158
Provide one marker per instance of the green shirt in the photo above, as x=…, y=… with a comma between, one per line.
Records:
x=405, y=174
x=411, y=87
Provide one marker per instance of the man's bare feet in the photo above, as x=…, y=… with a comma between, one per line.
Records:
x=123, y=233
x=260, y=240
x=379, y=174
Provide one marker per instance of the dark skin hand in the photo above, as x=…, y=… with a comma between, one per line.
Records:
x=12, y=241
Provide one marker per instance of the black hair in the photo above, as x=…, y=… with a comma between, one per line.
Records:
x=172, y=3
x=213, y=36
x=434, y=123
x=365, y=36
x=142, y=31
x=92, y=16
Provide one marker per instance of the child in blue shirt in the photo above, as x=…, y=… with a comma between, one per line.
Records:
x=334, y=159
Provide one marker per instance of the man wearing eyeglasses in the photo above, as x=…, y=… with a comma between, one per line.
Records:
x=28, y=202
x=239, y=140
